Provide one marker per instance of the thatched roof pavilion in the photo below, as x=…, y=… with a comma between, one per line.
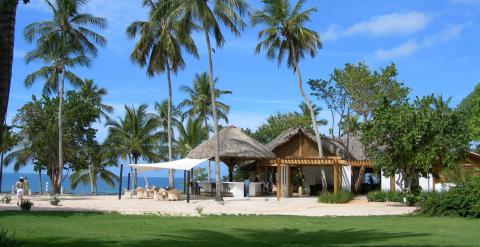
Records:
x=235, y=146
x=335, y=147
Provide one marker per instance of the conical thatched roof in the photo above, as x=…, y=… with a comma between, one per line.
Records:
x=234, y=144
x=335, y=146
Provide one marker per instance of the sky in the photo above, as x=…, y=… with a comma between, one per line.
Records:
x=433, y=43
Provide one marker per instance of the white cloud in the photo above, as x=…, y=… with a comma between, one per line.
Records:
x=393, y=23
x=448, y=34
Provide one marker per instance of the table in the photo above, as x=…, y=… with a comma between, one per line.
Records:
x=236, y=188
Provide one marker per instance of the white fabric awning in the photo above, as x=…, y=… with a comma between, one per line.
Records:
x=183, y=164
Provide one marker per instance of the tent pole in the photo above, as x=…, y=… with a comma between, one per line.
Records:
x=120, y=183
x=188, y=186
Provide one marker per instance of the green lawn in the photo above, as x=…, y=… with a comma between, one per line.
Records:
x=88, y=229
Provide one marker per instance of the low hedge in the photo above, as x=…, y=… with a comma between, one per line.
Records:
x=339, y=198
x=462, y=200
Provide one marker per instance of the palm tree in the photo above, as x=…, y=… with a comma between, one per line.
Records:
x=9, y=140
x=99, y=161
x=305, y=111
x=286, y=35
x=89, y=90
x=134, y=136
x=199, y=101
x=190, y=135
x=159, y=48
x=207, y=16
x=8, y=12
x=66, y=33
x=161, y=110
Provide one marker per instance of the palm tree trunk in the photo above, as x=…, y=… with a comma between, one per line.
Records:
x=135, y=160
x=171, y=181
x=7, y=37
x=40, y=181
x=60, y=132
x=215, y=120
x=312, y=115
x=208, y=167
x=91, y=174
x=333, y=122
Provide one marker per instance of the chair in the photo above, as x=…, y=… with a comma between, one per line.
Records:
x=150, y=193
x=174, y=195
x=140, y=193
x=127, y=194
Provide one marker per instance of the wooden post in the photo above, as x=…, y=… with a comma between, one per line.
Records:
x=289, y=178
x=120, y=182
x=128, y=181
x=278, y=180
x=392, y=183
x=335, y=179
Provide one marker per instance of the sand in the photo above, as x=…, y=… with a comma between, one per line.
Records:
x=302, y=206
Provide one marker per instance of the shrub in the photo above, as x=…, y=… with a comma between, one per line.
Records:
x=411, y=199
x=26, y=205
x=394, y=197
x=462, y=200
x=377, y=196
x=54, y=201
x=6, y=199
x=340, y=197
x=9, y=239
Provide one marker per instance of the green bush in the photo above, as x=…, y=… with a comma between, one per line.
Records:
x=411, y=199
x=395, y=197
x=26, y=205
x=54, y=201
x=6, y=199
x=9, y=239
x=462, y=200
x=377, y=196
x=340, y=197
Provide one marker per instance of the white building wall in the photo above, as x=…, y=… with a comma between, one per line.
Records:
x=347, y=178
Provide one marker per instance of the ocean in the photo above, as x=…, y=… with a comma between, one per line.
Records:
x=9, y=180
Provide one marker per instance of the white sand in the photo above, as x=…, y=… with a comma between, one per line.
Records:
x=304, y=206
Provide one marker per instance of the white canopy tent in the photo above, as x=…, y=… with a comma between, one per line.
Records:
x=183, y=164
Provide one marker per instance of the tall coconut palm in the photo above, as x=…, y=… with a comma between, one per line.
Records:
x=161, y=110
x=8, y=13
x=99, y=161
x=159, y=48
x=285, y=34
x=207, y=16
x=134, y=136
x=67, y=32
x=199, y=101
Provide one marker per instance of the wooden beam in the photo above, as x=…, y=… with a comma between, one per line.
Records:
x=335, y=179
x=278, y=180
x=392, y=183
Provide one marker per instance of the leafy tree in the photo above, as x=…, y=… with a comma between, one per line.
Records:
x=285, y=34
x=162, y=39
x=278, y=123
x=8, y=14
x=9, y=140
x=470, y=107
x=199, y=101
x=207, y=16
x=412, y=138
x=99, y=160
x=62, y=41
x=134, y=136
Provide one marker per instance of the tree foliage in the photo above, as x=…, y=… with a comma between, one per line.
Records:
x=470, y=106
x=412, y=138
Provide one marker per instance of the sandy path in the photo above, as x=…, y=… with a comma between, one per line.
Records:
x=305, y=206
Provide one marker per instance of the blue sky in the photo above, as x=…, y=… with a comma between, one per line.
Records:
x=433, y=43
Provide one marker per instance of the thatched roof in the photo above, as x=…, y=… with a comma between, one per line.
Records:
x=234, y=144
x=335, y=146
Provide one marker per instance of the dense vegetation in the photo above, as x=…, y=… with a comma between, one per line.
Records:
x=337, y=198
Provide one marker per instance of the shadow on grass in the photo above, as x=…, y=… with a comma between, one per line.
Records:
x=244, y=237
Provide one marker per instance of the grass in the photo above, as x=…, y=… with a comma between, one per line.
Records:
x=90, y=229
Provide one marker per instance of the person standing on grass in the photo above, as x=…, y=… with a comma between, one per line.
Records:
x=20, y=186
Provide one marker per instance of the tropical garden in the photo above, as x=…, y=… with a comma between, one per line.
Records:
x=55, y=131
